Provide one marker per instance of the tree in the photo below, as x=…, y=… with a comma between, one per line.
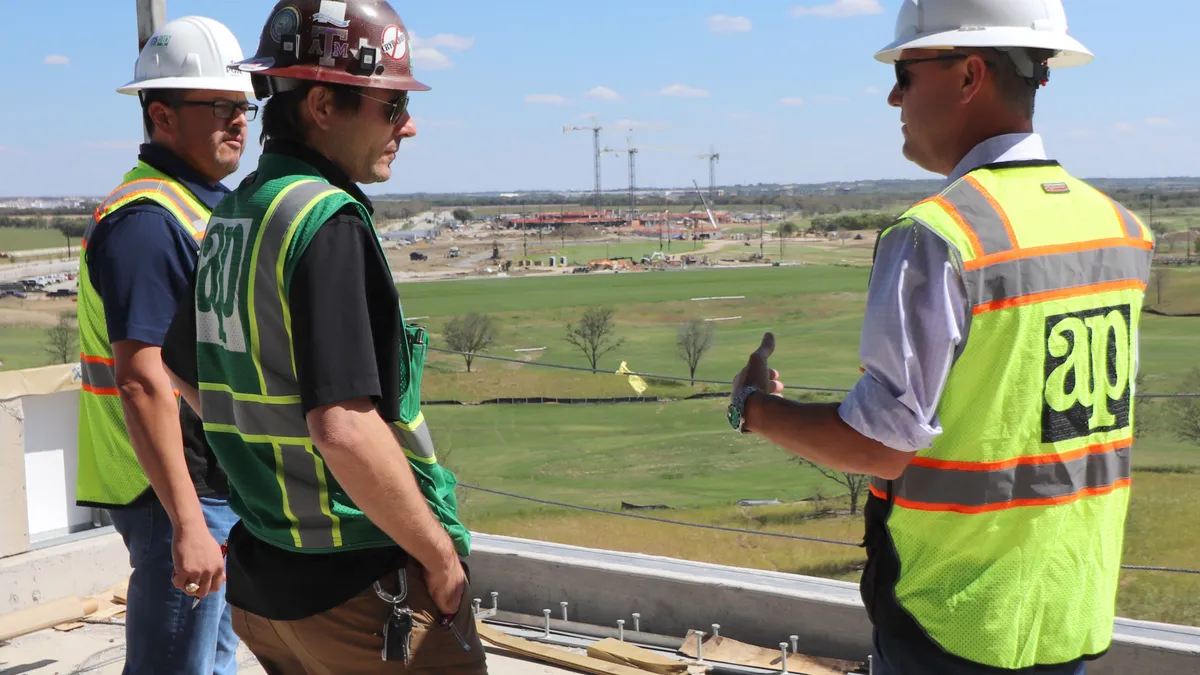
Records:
x=61, y=340
x=470, y=335
x=694, y=339
x=856, y=483
x=1186, y=411
x=462, y=215
x=1160, y=278
x=594, y=334
x=787, y=230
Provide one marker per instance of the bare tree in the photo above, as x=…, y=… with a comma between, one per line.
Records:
x=61, y=340
x=594, y=334
x=856, y=483
x=1186, y=411
x=1160, y=278
x=470, y=335
x=694, y=339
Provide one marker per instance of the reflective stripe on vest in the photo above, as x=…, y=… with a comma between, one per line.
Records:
x=99, y=375
x=977, y=487
x=192, y=219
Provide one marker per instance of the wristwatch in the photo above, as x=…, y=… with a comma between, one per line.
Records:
x=737, y=409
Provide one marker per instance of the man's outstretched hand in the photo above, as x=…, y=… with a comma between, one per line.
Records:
x=757, y=373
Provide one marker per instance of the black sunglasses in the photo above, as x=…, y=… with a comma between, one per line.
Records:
x=396, y=107
x=902, y=77
x=225, y=110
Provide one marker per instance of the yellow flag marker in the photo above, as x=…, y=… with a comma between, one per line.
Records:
x=638, y=384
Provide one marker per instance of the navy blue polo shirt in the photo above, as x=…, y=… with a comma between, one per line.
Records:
x=141, y=262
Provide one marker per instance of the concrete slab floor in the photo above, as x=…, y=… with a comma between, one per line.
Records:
x=99, y=649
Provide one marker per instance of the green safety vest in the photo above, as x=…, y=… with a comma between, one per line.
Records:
x=250, y=396
x=109, y=474
x=1009, y=530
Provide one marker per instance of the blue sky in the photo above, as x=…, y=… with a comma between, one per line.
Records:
x=783, y=97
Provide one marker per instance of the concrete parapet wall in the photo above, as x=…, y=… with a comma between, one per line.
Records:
x=83, y=567
x=763, y=608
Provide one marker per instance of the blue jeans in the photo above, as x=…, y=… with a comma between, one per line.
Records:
x=163, y=634
x=896, y=657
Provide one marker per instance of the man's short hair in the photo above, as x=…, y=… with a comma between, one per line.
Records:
x=168, y=97
x=1015, y=88
x=281, y=118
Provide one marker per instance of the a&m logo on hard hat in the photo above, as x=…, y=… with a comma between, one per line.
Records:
x=1087, y=387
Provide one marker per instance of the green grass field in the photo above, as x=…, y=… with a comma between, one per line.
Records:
x=23, y=347
x=29, y=238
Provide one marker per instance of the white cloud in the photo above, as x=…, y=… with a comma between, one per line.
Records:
x=840, y=9
x=824, y=98
x=427, y=54
x=56, y=60
x=872, y=91
x=456, y=43
x=546, y=99
x=427, y=58
x=792, y=101
x=720, y=23
x=112, y=145
x=603, y=94
x=1122, y=128
x=683, y=91
x=1159, y=122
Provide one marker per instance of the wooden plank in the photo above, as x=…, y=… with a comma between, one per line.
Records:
x=724, y=650
x=615, y=651
x=68, y=627
x=107, y=612
x=45, y=615
x=551, y=655
x=120, y=594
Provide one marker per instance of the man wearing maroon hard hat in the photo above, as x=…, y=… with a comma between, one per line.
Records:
x=350, y=557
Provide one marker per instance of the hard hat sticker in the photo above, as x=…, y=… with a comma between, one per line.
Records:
x=333, y=13
x=285, y=22
x=160, y=41
x=395, y=42
x=255, y=65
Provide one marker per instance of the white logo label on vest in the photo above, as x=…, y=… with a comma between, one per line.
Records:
x=218, y=310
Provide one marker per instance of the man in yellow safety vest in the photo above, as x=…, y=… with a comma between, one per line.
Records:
x=999, y=351
x=142, y=456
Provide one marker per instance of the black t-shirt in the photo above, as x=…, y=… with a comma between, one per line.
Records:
x=346, y=334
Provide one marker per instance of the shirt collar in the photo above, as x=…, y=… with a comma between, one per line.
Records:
x=166, y=161
x=1002, y=148
x=332, y=172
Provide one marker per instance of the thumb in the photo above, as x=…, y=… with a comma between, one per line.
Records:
x=767, y=348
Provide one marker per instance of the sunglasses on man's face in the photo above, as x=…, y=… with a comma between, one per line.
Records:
x=395, y=107
x=903, y=79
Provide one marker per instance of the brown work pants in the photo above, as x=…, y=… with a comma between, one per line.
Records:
x=349, y=639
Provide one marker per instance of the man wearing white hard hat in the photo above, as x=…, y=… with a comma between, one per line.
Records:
x=143, y=456
x=999, y=354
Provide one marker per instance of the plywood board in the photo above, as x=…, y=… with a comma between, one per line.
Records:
x=615, y=651
x=548, y=654
x=724, y=650
x=45, y=615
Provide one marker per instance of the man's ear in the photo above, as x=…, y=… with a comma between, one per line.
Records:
x=974, y=75
x=320, y=105
x=163, y=117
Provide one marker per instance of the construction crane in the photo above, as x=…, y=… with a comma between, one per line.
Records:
x=596, y=150
x=713, y=157
x=632, y=153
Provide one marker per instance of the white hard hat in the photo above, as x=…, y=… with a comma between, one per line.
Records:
x=191, y=52
x=1034, y=24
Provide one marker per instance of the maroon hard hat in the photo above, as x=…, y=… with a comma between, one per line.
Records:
x=361, y=43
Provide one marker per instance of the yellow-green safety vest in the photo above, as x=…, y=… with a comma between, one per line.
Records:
x=1008, y=532
x=109, y=474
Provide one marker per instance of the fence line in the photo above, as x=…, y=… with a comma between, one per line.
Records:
x=675, y=378
x=737, y=530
